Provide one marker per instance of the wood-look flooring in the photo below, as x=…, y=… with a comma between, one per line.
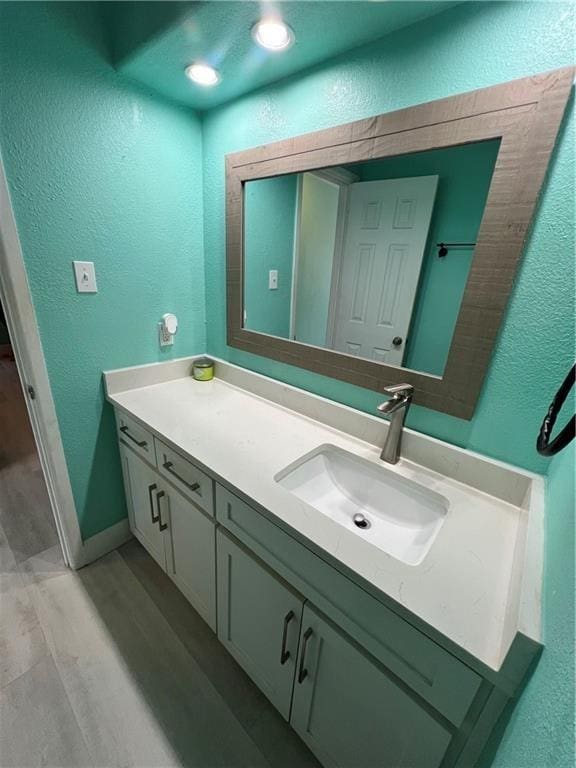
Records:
x=110, y=666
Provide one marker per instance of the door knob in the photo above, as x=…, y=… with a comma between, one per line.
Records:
x=397, y=340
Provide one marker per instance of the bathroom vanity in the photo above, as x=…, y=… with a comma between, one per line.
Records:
x=401, y=642
x=391, y=613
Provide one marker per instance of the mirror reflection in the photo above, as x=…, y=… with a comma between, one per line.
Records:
x=349, y=257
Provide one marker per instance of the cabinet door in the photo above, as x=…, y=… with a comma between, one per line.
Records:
x=192, y=554
x=259, y=620
x=142, y=486
x=352, y=713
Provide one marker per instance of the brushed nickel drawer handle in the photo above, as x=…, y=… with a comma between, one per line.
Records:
x=139, y=443
x=302, y=671
x=284, y=654
x=191, y=486
x=151, y=489
x=159, y=495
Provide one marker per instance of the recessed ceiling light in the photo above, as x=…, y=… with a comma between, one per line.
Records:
x=273, y=34
x=203, y=74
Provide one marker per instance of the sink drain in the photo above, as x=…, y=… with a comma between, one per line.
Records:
x=360, y=521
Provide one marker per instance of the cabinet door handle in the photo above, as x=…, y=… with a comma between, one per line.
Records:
x=302, y=671
x=284, y=654
x=151, y=489
x=160, y=495
x=139, y=443
x=191, y=486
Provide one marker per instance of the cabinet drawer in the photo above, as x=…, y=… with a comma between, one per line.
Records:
x=184, y=475
x=437, y=676
x=133, y=434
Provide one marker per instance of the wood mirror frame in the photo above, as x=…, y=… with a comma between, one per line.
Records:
x=525, y=115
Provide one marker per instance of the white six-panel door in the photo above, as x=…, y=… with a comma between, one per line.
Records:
x=386, y=234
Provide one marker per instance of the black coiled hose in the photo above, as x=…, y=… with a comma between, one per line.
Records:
x=543, y=444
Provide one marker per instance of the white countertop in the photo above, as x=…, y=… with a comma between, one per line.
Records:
x=465, y=586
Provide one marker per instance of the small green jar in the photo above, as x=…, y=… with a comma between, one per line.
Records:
x=203, y=369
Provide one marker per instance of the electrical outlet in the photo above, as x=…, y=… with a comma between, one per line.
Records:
x=166, y=338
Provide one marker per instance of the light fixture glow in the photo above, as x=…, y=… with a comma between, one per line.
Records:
x=273, y=34
x=203, y=74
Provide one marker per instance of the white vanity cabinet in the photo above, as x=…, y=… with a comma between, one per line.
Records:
x=179, y=536
x=141, y=484
x=367, y=689
x=352, y=712
x=191, y=561
x=259, y=619
x=364, y=682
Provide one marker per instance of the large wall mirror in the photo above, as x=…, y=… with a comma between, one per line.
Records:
x=369, y=259
x=384, y=251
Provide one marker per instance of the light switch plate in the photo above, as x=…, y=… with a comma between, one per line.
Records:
x=273, y=280
x=85, y=275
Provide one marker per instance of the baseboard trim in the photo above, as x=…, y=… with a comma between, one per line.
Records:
x=107, y=540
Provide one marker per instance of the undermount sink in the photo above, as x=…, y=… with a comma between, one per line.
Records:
x=395, y=514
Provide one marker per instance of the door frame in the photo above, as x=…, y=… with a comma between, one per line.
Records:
x=342, y=179
x=295, y=256
x=28, y=353
x=339, y=242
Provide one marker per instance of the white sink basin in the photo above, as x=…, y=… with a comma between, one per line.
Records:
x=395, y=514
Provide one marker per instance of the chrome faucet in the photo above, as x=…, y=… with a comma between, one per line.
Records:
x=397, y=407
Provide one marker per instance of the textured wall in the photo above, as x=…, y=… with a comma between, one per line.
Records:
x=100, y=171
x=541, y=733
x=468, y=47
x=448, y=54
x=269, y=244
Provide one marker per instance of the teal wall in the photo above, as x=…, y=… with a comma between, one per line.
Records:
x=269, y=228
x=103, y=171
x=270, y=206
x=541, y=732
x=464, y=179
x=470, y=46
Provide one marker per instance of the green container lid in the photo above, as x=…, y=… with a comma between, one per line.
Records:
x=203, y=362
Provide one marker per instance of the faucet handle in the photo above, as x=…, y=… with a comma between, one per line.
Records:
x=400, y=390
x=401, y=396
